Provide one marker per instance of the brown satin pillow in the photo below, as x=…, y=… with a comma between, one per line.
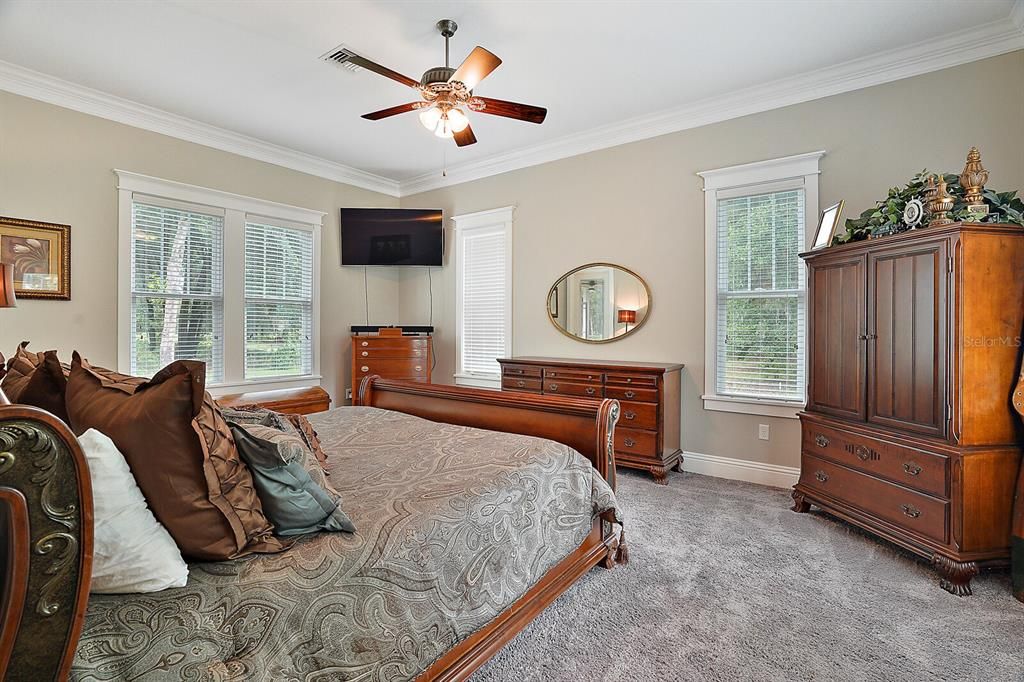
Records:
x=181, y=453
x=19, y=370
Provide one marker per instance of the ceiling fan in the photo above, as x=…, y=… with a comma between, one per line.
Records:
x=446, y=91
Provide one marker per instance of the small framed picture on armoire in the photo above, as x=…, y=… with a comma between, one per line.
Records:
x=827, y=226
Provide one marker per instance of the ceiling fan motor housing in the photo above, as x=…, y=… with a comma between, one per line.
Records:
x=436, y=75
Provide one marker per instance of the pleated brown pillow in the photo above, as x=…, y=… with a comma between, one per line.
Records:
x=20, y=369
x=181, y=453
x=37, y=379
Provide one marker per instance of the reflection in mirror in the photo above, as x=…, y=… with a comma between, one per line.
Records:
x=599, y=302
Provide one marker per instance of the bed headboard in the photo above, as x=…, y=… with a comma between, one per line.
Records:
x=45, y=544
x=584, y=424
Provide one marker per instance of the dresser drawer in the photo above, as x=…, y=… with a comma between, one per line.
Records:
x=389, y=352
x=579, y=376
x=392, y=368
x=561, y=387
x=521, y=371
x=644, y=395
x=381, y=342
x=636, y=442
x=905, y=508
x=913, y=468
x=516, y=384
x=638, y=380
x=638, y=415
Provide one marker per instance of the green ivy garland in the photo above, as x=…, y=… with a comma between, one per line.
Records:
x=887, y=215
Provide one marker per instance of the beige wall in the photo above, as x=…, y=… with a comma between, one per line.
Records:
x=641, y=205
x=57, y=165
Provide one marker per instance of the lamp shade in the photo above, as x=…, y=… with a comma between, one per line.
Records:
x=7, y=299
x=627, y=316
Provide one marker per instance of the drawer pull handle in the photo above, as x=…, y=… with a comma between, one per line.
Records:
x=911, y=511
x=630, y=394
x=516, y=371
x=589, y=377
x=590, y=391
x=552, y=387
x=629, y=415
x=365, y=368
x=821, y=441
x=366, y=343
x=365, y=353
x=629, y=381
x=520, y=383
x=863, y=453
x=419, y=368
x=911, y=468
x=821, y=476
x=629, y=442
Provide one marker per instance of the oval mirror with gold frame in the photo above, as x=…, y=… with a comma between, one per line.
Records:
x=599, y=303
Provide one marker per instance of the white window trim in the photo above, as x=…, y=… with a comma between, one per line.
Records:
x=465, y=224
x=236, y=209
x=801, y=170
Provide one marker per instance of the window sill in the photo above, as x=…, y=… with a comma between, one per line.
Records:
x=217, y=390
x=477, y=381
x=766, y=408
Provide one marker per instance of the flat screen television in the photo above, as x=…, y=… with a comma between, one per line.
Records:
x=392, y=236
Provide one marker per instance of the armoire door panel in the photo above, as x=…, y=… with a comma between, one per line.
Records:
x=836, y=327
x=907, y=338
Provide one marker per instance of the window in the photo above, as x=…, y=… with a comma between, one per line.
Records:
x=217, y=277
x=278, y=301
x=177, y=296
x=483, y=261
x=756, y=291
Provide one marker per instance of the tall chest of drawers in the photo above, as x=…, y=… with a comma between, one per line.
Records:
x=390, y=354
x=914, y=344
x=648, y=433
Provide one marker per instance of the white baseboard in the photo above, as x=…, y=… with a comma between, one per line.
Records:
x=740, y=469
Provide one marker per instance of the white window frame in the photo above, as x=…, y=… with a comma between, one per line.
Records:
x=799, y=171
x=237, y=208
x=465, y=225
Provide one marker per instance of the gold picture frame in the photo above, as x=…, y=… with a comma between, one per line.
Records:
x=40, y=254
x=827, y=226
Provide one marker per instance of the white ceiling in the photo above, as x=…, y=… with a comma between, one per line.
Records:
x=253, y=67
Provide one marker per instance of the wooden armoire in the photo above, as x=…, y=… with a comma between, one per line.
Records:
x=909, y=433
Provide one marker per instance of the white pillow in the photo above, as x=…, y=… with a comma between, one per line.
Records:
x=132, y=551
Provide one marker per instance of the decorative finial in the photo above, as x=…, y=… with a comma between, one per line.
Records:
x=973, y=181
x=940, y=203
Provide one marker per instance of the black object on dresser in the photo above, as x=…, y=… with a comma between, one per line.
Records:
x=913, y=351
x=648, y=432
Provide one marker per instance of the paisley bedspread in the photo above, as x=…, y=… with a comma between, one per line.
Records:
x=453, y=525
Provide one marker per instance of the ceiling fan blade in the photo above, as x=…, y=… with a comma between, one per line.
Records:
x=465, y=138
x=383, y=70
x=476, y=67
x=393, y=111
x=521, y=112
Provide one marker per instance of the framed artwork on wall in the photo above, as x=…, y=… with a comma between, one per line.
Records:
x=40, y=255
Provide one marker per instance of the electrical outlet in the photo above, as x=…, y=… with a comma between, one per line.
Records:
x=348, y=394
x=762, y=431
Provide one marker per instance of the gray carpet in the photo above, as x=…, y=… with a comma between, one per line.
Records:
x=726, y=583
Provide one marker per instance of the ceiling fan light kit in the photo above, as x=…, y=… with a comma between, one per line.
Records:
x=447, y=93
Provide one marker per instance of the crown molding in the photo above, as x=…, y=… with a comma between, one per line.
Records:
x=28, y=83
x=954, y=49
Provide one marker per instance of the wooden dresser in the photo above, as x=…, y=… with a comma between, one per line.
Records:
x=390, y=354
x=914, y=344
x=647, y=436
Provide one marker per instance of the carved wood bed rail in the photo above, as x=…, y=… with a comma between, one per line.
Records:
x=46, y=525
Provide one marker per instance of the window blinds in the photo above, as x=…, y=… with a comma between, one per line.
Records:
x=484, y=300
x=278, y=301
x=177, y=288
x=761, y=301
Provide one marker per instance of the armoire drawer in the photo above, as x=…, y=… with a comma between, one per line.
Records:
x=640, y=380
x=579, y=376
x=405, y=343
x=900, y=506
x=521, y=371
x=638, y=415
x=561, y=387
x=636, y=442
x=391, y=352
x=516, y=384
x=913, y=468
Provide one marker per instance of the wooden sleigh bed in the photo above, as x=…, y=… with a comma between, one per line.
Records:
x=46, y=520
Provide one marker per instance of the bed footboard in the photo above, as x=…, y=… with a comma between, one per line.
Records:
x=586, y=425
x=45, y=544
